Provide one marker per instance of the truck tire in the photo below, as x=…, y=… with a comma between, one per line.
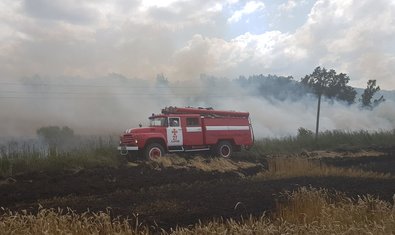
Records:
x=153, y=151
x=224, y=149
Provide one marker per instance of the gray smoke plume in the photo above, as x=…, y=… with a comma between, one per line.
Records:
x=108, y=105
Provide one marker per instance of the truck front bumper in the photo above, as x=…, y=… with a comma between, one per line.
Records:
x=125, y=149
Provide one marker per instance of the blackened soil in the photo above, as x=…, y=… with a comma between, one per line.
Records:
x=169, y=197
x=382, y=164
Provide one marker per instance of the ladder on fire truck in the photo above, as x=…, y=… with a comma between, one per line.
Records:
x=204, y=112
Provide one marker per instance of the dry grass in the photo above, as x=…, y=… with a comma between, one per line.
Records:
x=60, y=222
x=279, y=166
x=311, y=211
x=304, y=211
x=287, y=167
x=204, y=164
x=333, y=154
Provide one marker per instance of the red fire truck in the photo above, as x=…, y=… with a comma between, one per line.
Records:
x=189, y=129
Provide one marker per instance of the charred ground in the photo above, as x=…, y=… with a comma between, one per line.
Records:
x=179, y=191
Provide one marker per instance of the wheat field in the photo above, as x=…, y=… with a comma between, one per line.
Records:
x=304, y=211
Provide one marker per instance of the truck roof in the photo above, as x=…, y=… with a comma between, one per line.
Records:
x=204, y=112
x=174, y=114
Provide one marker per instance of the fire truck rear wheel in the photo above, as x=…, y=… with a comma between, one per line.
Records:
x=154, y=151
x=224, y=149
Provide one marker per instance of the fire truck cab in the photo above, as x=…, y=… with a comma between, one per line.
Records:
x=189, y=130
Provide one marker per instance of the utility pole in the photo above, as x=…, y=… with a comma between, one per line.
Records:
x=318, y=115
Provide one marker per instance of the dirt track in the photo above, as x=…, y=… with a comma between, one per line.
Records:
x=182, y=195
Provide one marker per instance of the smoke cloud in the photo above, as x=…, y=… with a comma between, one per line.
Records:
x=111, y=104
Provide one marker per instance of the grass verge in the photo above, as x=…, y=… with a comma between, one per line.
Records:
x=76, y=159
x=328, y=140
x=19, y=158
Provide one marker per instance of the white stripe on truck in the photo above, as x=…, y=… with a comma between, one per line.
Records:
x=194, y=129
x=227, y=128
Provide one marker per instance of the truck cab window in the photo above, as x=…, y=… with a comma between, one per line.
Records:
x=174, y=122
x=158, y=121
x=192, y=122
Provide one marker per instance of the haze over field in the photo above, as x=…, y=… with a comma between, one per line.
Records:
x=110, y=104
x=93, y=65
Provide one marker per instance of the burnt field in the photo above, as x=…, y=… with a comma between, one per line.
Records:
x=182, y=191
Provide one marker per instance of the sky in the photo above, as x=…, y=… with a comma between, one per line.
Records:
x=185, y=38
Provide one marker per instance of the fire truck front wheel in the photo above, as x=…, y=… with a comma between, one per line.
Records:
x=224, y=149
x=153, y=151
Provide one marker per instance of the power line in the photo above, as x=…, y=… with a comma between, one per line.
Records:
x=145, y=92
x=50, y=94
x=143, y=96
x=104, y=85
x=94, y=93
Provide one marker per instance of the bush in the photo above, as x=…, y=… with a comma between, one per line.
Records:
x=56, y=137
x=304, y=133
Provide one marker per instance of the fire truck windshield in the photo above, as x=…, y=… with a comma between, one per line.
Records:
x=158, y=121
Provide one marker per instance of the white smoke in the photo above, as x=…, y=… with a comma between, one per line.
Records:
x=275, y=118
x=111, y=104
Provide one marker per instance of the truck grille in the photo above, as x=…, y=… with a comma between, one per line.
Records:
x=128, y=139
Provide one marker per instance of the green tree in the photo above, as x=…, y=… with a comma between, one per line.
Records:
x=304, y=133
x=328, y=83
x=368, y=93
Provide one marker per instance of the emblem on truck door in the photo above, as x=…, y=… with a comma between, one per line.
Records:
x=174, y=132
x=174, y=136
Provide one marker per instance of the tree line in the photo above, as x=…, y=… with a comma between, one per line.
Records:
x=321, y=82
x=332, y=85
